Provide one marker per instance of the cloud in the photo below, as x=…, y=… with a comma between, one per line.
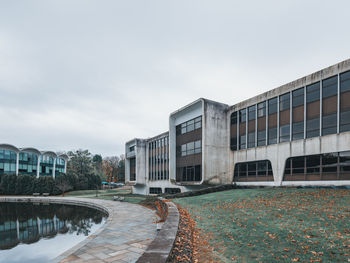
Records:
x=92, y=74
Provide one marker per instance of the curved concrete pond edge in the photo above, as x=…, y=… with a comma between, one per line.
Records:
x=159, y=250
x=125, y=236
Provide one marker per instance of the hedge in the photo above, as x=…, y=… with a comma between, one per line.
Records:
x=29, y=184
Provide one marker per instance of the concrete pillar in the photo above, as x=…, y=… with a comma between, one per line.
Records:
x=65, y=166
x=17, y=228
x=38, y=167
x=54, y=168
x=17, y=163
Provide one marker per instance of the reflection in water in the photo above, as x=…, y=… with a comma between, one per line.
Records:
x=27, y=223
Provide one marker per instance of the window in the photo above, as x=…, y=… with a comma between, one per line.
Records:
x=172, y=190
x=345, y=102
x=132, y=148
x=251, y=113
x=234, y=118
x=298, y=130
x=313, y=128
x=284, y=102
x=189, y=174
x=298, y=97
x=191, y=148
x=262, y=138
x=329, y=163
x=253, y=171
x=284, y=133
x=242, y=142
x=330, y=87
x=242, y=115
x=272, y=135
x=155, y=190
x=329, y=124
x=272, y=106
x=328, y=166
x=189, y=126
x=262, y=109
x=233, y=131
x=313, y=92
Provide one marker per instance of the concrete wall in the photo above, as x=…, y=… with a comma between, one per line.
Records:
x=214, y=145
x=279, y=153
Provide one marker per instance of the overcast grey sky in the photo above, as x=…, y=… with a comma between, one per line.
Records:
x=94, y=74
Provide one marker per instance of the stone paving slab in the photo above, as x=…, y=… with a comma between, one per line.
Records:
x=125, y=236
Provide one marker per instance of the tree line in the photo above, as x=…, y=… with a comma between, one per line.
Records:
x=84, y=172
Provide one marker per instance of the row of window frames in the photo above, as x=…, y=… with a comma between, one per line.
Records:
x=158, y=143
x=189, y=126
x=329, y=89
x=259, y=168
x=329, y=126
x=324, y=163
x=160, y=175
x=189, y=174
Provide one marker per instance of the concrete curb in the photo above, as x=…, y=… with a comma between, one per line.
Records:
x=158, y=251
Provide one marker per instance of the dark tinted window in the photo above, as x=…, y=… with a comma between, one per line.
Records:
x=329, y=124
x=284, y=133
x=313, y=92
x=272, y=135
x=345, y=81
x=284, y=102
x=313, y=128
x=329, y=162
x=262, y=109
x=298, y=97
x=298, y=130
x=272, y=105
x=234, y=118
x=330, y=87
x=242, y=115
x=251, y=113
x=313, y=164
x=261, y=138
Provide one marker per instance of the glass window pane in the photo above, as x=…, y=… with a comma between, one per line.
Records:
x=284, y=102
x=261, y=109
x=330, y=87
x=313, y=92
x=272, y=105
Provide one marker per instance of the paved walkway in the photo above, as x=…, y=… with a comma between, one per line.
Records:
x=123, y=238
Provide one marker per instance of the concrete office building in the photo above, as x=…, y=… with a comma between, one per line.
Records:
x=31, y=161
x=297, y=134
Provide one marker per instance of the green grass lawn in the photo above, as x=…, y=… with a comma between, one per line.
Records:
x=108, y=195
x=274, y=225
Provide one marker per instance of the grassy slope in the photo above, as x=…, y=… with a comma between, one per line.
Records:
x=108, y=194
x=274, y=225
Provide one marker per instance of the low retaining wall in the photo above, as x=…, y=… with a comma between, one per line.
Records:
x=159, y=250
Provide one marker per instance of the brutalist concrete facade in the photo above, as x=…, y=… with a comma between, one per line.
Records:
x=297, y=134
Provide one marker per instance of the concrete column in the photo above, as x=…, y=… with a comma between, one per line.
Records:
x=17, y=163
x=267, y=122
x=38, y=167
x=278, y=119
x=338, y=106
x=305, y=112
x=246, y=128
x=17, y=228
x=65, y=165
x=321, y=101
x=54, y=168
x=256, y=125
x=290, y=115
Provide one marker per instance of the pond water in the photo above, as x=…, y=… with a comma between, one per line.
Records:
x=38, y=233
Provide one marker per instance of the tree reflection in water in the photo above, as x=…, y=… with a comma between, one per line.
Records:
x=27, y=222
